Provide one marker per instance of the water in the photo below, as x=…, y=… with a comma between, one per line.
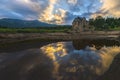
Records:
x=72, y=60
x=83, y=64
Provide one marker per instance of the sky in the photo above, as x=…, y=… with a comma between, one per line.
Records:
x=58, y=11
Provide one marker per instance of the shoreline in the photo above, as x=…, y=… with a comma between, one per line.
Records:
x=15, y=37
x=14, y=41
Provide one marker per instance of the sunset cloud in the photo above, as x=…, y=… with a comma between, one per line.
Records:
x=58, y=11
x=109, y=8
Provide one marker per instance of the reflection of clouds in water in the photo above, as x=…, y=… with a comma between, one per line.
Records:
x=84, y=64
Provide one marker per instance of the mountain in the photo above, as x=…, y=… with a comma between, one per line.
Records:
x=17, y=23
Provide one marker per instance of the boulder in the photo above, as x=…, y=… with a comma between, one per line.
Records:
x=80, y=24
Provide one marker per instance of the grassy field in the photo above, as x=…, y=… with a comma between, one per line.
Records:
x=35, y=30
x=46, y=29
x=116, y=29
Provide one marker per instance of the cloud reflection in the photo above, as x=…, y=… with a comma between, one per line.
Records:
x=84, y=64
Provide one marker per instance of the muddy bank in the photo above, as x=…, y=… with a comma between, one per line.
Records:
x=12, y=37
x=20, y=41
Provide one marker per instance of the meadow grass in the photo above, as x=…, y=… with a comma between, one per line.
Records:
x=34, y=30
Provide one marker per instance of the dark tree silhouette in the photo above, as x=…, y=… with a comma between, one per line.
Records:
x=108, y=23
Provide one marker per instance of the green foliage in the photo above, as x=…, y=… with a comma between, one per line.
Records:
x=35, y=30
x=109, y=23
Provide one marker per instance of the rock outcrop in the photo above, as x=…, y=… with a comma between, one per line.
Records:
x=80, y=24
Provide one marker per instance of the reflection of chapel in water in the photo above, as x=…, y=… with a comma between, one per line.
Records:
x=80, y=24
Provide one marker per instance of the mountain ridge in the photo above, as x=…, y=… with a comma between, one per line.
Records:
x=18, y=23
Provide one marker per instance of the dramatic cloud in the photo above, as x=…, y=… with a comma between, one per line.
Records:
x=25, y=9
x=50, y=14
x=109, y=8
x=57, y=11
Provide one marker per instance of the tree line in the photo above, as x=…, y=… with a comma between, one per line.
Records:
x=108, y=23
